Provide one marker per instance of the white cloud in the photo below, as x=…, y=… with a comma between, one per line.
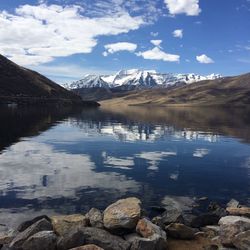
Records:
x=156, y=42
x=158, y=54
x=188, y=7
x=204, y=59
x=154, y=34
x=121, y=46
x=38, y=34
x=178, y=33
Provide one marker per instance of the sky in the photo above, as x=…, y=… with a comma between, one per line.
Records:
x=66, y=39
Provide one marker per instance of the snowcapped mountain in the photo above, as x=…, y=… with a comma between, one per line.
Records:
x=137, y=79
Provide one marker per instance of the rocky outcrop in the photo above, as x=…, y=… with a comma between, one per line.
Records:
x=242, y=240
x=123, y=214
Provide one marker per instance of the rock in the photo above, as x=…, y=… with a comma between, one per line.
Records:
x=6, y=238
x=123, y=214
x=205, y=219
x=90, y=235
x=241, y=211
x=41, y=225
x=140, y=243
x=95, y=218
x=211, y=231
x=28, y=223
x=233, y=203
x=242, y=240
x=64, y=223
x=88, y=247
x=171, y=216
x=230, y=226
x=147, y=229
x=180, y=231
x=44, y=240
x=73, y=238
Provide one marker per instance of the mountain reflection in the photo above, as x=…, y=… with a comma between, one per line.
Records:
x=66, y=161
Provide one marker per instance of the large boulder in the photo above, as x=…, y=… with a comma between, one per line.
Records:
x=62, y=224
x=90, y=235
x=230, y=226
x=123, y=214
x=44, y=240
x=88, y=247
x=242, y=240
x=41, y=225
x=95, y=217
x=241, y=211
x=28, y=223
x=180, y=231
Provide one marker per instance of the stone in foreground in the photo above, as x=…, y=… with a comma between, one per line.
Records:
x=95, y=218
x=41, y=225
x=62, y=224
x=88, y=247
x=230, y=226
x=180, y=231
x=123, y=214
x=241, y=211
x=44, y=240
x=242, y=240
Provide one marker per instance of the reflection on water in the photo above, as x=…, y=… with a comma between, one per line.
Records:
x=65, y=161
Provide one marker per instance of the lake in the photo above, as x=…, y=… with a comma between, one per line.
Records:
x=61, y=161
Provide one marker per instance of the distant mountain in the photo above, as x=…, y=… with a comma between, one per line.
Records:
x=24, y=86
x=137, y=79
x=222, y=91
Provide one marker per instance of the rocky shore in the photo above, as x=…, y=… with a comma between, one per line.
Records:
x=125, y=225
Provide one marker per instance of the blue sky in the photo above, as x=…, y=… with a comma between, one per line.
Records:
x=66, y=39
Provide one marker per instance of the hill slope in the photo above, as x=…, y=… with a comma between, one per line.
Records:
x=21, y=85
x=224, y=91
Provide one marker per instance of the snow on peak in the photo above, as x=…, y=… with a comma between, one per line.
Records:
x=136, y=78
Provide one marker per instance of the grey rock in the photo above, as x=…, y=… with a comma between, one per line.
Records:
x=171, y=216
x=180, y=231
x=28, y=223
x=230, y=226
x=233, y=203
x=7, y=237
x=44, y=240
x=242, y=240
x=72, y=239
x=211, y=231
x=95, y=217
x=41, y=225
x=90, y=235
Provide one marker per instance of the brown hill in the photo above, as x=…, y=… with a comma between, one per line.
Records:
x=24, y=86
x=224, y=91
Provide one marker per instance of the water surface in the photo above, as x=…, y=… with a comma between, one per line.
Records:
x=67, y=161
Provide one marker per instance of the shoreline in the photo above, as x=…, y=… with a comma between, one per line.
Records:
x=125, y=225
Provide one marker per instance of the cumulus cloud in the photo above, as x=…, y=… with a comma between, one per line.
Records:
x=157, y=54
x=121, y=46
x=188, y=7
x=38, y=34
x=154, y=34
x=156, y=42
x=178, y=33
x=204, y=59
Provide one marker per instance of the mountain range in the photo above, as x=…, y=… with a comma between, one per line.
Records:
x=137, y=79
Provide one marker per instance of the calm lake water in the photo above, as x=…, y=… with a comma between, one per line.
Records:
x=64, y=161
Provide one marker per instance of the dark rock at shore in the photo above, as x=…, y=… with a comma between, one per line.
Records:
x=28, y=223
x=41, y=225
x=90, y=235
x=44, y=240
x=180, y=231
x=88, y=247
